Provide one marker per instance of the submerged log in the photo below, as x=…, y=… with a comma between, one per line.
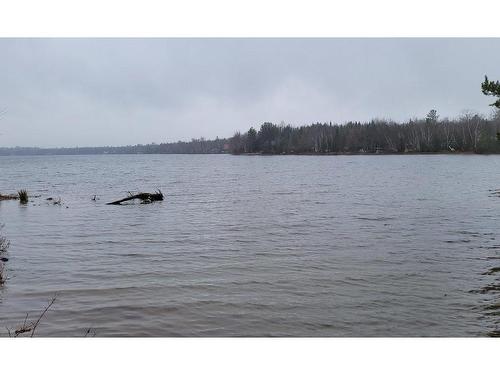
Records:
x=21, y=194
x=8, y=197
x=144, y=197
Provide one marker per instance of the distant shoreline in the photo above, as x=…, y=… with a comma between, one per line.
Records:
x=469, y=134
x=257, y=154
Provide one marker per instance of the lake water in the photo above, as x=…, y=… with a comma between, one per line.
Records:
x=254, y=245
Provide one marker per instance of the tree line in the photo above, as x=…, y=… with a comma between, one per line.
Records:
x=195, y=146
x=469, y=133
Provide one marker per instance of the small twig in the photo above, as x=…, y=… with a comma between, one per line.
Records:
x=43, y=313
x=24, y=328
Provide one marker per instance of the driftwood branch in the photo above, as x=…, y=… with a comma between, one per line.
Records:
x=43, y=313
x=21, y=194
x=5, y=197
x=144, y=197
x=31, y=326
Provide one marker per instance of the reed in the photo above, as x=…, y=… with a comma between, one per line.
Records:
x=23, y=196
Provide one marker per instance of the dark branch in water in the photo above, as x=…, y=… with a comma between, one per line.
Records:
x=7, y=197
x=31, y=326
x=144, y=197
x=43, y=313
x=22, y=196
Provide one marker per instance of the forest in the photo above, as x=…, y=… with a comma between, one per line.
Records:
x=469, y=133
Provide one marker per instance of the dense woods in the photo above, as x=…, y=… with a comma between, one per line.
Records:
x=469, y=133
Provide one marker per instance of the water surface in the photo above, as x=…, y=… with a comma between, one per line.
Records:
x=254, y=246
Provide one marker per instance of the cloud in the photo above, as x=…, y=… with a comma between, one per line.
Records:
x=67, y=92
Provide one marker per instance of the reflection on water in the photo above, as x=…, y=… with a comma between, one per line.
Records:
x=255, y=246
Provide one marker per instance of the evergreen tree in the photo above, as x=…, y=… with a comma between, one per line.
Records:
x=432, y=117
x=491, y=88
x=251, y=140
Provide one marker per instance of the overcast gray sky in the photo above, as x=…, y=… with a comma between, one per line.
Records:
x=94, y=92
